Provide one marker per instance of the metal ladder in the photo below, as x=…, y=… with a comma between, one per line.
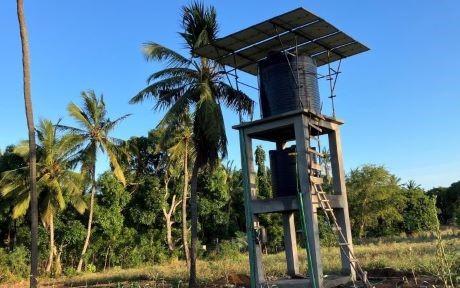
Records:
x=316, y=182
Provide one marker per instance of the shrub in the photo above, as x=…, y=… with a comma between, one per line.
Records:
x=90, y=268
x=70, y=271
x=18, y=261
x=226, y=249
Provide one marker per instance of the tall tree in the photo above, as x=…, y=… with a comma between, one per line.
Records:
x=176, y=139
x=94, y=136
x=56, y=181
x=376, y=200
x=419, y=213
x=263, y=182
x=448, y=201
x=32, y=155
x=196, y=84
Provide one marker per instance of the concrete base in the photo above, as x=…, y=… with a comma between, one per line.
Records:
x=330, y=281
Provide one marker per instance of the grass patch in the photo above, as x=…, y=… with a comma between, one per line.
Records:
x=404, y=254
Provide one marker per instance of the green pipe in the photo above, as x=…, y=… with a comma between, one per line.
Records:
x=303, y=223
x=247, y=210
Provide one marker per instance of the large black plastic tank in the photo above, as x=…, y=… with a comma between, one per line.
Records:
x=283, y=172
x=279, y=92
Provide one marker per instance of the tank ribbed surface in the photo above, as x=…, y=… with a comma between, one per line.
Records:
x=279, y=74
x=283, y=172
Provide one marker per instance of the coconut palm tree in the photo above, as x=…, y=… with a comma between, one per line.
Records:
x=32, y=156
x=196, y=84
x=56, y=181
x=94, y=136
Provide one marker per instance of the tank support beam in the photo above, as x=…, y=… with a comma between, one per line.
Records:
x=294, y=126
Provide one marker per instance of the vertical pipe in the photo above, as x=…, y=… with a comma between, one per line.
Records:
x=303, y=222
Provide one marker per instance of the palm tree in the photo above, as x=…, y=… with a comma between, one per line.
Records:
x=94, y=136
x=32, y=155
x=197, y=85
x=56, y=182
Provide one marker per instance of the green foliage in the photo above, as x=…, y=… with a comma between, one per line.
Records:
x=226, y=249
x=263, y=180
x=376, y=201
x=144, y=209
x=326, y=235
x=213, y=202
x=91, y=268
x=419, y=213
x=15, y=262
x=448, y=201
x=70, y=271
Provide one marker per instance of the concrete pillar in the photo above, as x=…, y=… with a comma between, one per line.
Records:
x=250, y=192
x=290, y=244
x=338, y=176
x=302, y=140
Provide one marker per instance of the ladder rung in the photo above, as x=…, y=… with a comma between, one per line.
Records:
x=328, y=209
x=316, y=166
x=313, y=151
x=316, y=180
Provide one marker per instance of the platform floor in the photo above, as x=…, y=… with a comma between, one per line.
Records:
x=329, y=282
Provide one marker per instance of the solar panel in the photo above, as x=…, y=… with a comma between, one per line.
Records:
x=297, y=30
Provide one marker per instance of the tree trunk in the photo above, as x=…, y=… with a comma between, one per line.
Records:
x=90, y=219
x=15, y=234
x=363, y=215
x=169, y=213
x=169, y=223
x=194, y=219
x=58, y=265
x=184, y=208
x=106, y=257
x=52, y=249
x=32, y=152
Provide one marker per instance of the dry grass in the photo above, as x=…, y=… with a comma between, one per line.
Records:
x=405, y=254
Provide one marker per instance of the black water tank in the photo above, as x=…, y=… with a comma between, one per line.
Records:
x=279, y=92
x=283, y=172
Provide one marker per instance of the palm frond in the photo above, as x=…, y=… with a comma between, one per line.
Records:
x=22, y=149
x=200, y=25
x=117, y=171
x=156, y=52
x=110, y=125
x=71, y=129
x=235, y=99
x=21, y=206
x=92, y=107
x=180, y=106
x=185, y=74
x=81, y=117
x=159, y=89
x=209, y=129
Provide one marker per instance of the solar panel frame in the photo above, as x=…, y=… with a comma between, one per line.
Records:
x=298, y=30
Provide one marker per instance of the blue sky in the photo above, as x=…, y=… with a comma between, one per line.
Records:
x=400, y=101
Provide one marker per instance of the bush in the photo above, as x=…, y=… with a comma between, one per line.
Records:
x=226, y=249
x=70, y=271
x=90, y=268
x=18, y=261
